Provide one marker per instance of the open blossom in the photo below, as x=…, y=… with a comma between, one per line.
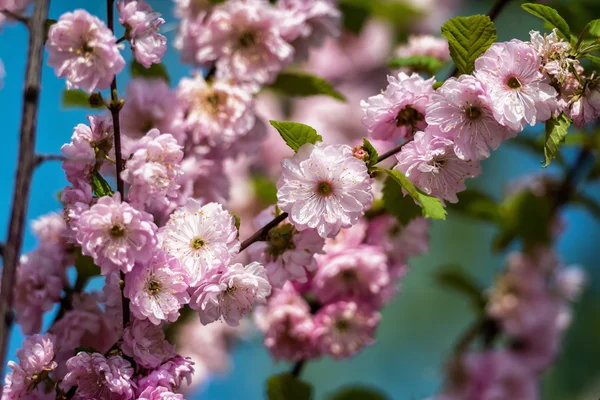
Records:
x=49, y=230
x=344, y=328
x=201, y=238
x=287, y=253
x=243, y=38
x=86, y=142
x=324, y=187
x=586, y=106
x=159, y=393
x=217, y=112
x=142, y=25
x=76, y=200
x=97, y=377
x=555, y=54
x=347, y=238
x=510, y=73
x=230, y=292
x=150, y=103
x=462, y=111
x=157, y=289
x=431, y=164
x=35, y=357
x=153, y=169
x=400, y=110
x=146, y=343
x=116, y=235
x=82, y=49
x=170, y=375
x=424, y=45
x=359, y=274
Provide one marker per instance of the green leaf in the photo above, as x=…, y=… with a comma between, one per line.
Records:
x=431, y=206
x=397, y=204
x=549, y=15
x=556, y=131
x=588, y=203
x=418, y=63
x=371, y=151
x=437, y=85
x=99, y=185
x=156, y=71
x=477, y=205
x=77, y=98
x=354, y=15
x=594, y=27
x=265, y=190
x=238, y=222
x=296, y=134
x=468, y=38
x=300, y=84
x=456, y=278
x=357, y=393
x=287, y=387
x=594, y=59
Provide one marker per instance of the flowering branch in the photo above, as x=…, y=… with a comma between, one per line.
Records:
x=25, y=170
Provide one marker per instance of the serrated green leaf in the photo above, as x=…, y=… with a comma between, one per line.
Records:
x=76, y=98
x=287, y=387
x=300, y=84
x=418, y=63
x=296, y=134
x=549, y=15
x=477, y=205
x=100, y=187
x=265, y=190
x=371, y=151
x=456, y=278
x=357, y=393
x=156, y=71
x=468, y=38
x=587, y=202
x=556, y=131
x=397, y=204
x=431, y=206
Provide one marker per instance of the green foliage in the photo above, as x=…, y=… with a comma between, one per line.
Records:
x=594, y=59
x=156, y=71
x=77, y=98
x=550, y=16
x=397, y=204
x=357, y=393
x=287, y=387
x=594, y=27
x=468, y=38
x=355, y=13
x=100, y=187
x=300, y=84
x=456, y=278
x=372, y=152
x=437, y=85
x=418, y=63
x=556, y=131
x=265, y=190
x=431, y=206
x=296, y=134
x=477, y=205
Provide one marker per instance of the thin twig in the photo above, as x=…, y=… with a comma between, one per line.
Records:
x=25, y=170
x=393, y=151
x=298, y=367
x=41, y=158
x=263, y=232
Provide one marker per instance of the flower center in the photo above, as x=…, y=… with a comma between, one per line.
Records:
x=85, y=50
x=438, y=163
x=213, y=101
x=247, y=40
x=230, y=290
x=324, y=188
x=348, y=275
x=117, y=231
x=473, y=112
x=154, y=287
x=513, y=83
x=342, y=325
x=408, y=116
x=197, y=243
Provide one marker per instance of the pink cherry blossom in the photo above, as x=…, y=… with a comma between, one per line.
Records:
x=154, y=168
x=347, y=238
x=159, y=393
x=431, y=164
x=83, y=50
x=50, y=230
x=400, y=110
x=343, y=328
x=142, y=25
x=146, y=343
x=359, y=274
x=229, y=293
x=217, y=112
x=324, y=187
x=585, y=107
x=97, y=377
x=462, y=111
x=424, y=45
x=201, y=238
x=203, y=179
x=555, y=54
x=192, y=8
x=510, y=73
x=76, y=200
x=14, y=6
x=150, y=103
x=169, y=375
x=157, y=289
x=243, y=38
x=115, y=234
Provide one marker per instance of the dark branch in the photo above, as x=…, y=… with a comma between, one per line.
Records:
x=262, y=233
x=393, y=151
x=25, y=170
x=297, y=368
x=41, y=158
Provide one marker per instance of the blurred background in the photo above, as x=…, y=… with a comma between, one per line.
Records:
x=421, y=325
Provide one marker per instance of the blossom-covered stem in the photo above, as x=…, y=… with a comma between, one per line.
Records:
x=297, y=368
x=115, y=108
x=41, y=158
x=262, y=232
x=21, y=18
x=25, y=169
x=493, y=14
x=393, y=151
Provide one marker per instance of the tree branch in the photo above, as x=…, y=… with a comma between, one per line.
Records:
x=41, y=158
x=263, y=232
x=25, y=170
